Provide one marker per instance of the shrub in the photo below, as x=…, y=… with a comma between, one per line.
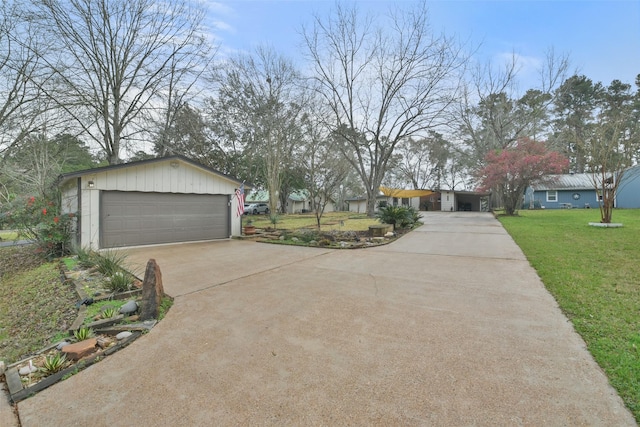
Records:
x=120, y=281
x=110, y=262
x=40, y=219
x=86, y=257
x=399, y=216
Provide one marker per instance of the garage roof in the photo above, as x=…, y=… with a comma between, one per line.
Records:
x=176, y=157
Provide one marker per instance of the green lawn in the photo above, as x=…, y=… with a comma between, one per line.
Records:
x=594, y=274
x=8, y=235
x=344, y=221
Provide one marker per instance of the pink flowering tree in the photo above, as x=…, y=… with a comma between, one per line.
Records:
x=511, y=170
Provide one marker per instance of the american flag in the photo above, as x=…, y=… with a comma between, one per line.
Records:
x=240, y=197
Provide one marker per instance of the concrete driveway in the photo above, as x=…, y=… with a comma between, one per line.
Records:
x=449, y=325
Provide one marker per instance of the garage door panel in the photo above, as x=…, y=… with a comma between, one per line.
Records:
x=135, y=218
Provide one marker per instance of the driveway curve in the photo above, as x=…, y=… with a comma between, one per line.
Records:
x=449, y=325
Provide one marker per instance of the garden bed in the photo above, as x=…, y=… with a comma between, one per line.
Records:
x=106, y=322
x=330, y=239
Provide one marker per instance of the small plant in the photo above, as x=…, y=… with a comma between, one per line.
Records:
x=119, y=282
x=70, y=374
x=399, y=216
x=273, y=218
x=110, y=262
x=165, y=305
x=108, y=313
x=83, y=333
x=86, y=257
x=53, y=364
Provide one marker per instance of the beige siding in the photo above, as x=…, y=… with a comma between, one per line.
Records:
x=155, y=177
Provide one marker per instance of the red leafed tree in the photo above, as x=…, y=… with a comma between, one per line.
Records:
x=511, y=170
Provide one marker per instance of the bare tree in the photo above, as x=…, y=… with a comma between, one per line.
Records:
x=183, y=88
x=21, y=106
x=114, y=58
x=613, y=143
x=492, y=115
x=325, y=168
x=262, y=101
x=424, y=161
x=382, y=84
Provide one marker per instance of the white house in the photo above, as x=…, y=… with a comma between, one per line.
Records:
x=164, y=200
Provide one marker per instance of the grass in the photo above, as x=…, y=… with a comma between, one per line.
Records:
x=8, y=235
x=343, y=221
x=35, y=306
x=593, y=274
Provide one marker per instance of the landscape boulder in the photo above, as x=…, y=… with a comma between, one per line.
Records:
x=152, y=291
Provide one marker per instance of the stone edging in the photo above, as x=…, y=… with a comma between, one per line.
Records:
x=18, y=391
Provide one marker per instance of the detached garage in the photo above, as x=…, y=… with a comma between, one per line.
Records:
x=167, y=200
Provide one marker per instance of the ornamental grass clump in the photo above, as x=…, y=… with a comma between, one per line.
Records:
x=120, y=281
x=110, y=262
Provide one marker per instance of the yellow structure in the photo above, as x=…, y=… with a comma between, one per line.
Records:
x=405, y=194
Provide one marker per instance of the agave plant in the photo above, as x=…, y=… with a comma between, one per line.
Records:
x=53, y=364
x=108, y=313
x=83, y=333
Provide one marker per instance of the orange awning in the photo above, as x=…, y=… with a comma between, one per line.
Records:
x=397, y=192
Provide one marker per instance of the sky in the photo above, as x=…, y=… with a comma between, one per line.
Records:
x=602, y=38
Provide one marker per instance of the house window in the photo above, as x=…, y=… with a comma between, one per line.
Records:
x=552, y=196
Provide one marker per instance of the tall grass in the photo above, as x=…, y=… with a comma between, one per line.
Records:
x=594, y=274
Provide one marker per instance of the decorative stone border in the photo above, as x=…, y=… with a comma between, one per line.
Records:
x=605, y=225
x=18, y=391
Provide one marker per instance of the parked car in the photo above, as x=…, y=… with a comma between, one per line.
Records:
x=257, y=208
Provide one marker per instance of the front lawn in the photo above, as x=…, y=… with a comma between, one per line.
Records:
x=341, y=221
x=36, y=305
x=594, y=274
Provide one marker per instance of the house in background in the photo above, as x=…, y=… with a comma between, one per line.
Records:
x=358, y=204
x=562, y=191
x=577, y=191
x=164, y=200
x=629, y=189
x=444, y=200
x=471, y=201
x=299, y=201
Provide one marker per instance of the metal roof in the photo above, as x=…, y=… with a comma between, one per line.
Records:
x=574, y=181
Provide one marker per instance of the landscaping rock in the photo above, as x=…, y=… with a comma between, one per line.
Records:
x=281, y=238
x=152, y=291
x=29, y=369
x=129, y=308
x=80, y=349
x=124, y=334
x=62, y=344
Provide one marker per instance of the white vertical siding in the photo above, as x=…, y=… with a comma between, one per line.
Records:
x=448, y=201
x=154, y=177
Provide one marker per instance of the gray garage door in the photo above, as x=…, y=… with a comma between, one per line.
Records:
x=134, y=218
